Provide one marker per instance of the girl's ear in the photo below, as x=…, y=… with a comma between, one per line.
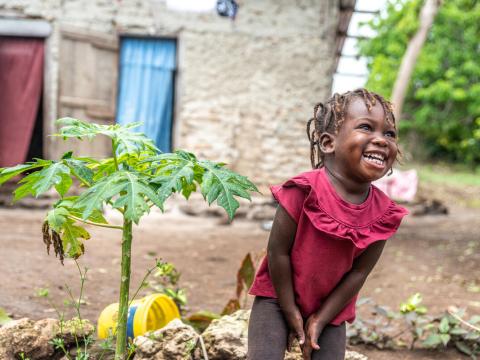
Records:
x=327, y=143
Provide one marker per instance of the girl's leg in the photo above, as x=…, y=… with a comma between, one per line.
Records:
x=267, y=330
x=332, y=343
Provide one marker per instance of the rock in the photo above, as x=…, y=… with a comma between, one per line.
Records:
x=33, y=338
x=296, y=354
x=226, y=338
x=174, y=341
x=353, y=355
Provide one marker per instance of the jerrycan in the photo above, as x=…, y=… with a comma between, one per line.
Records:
x=150, y=313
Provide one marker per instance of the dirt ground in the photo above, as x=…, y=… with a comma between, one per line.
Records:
x=437, y=256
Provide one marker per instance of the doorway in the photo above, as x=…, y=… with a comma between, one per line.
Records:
x=21, y=118
x=147, y=86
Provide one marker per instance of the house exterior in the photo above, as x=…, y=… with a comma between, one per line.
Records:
x=242, y=91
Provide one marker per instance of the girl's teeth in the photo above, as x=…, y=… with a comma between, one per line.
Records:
x=373, y=160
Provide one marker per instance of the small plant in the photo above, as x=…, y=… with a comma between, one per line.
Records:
x=133, y=180
x=412, y=324
x=166, y=281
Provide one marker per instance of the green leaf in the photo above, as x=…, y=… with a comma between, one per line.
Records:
x=458, y=331
x=222, y=184
x=64, y=184
x=73, y=128
x=71, y=238
x=127, y=141
x=4, y=318
x=444, y=326
x=8, y=173
x=94, y=197
x=137, y=192
x=80, y=170
x=445, y=338
x=432, y=341
x=474, y=319
x=57, y=217
x=38, y=182
x=176, y=177
x=463, y=347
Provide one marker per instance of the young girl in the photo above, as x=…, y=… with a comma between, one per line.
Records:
x=328, y=233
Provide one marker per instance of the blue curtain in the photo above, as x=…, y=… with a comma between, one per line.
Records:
x=146, y=87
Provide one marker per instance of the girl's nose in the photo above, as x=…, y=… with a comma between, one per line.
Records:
x=380, y=141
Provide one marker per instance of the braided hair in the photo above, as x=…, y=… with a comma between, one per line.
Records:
x=329, y=117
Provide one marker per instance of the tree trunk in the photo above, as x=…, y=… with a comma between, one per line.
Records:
x=121, y=345
x=427, y=14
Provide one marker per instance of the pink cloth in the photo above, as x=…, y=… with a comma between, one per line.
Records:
x=400, y=186
x=331, y=233
x=21, y=75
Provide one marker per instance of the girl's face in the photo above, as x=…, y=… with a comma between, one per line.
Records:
x=366, y=144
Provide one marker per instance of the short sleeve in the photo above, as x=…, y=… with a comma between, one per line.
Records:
x=291, y=197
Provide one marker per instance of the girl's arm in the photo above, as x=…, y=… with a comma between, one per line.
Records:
x=280, y=242
x=348, y=287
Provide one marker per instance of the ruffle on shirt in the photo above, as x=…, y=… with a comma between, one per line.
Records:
x=380, y=228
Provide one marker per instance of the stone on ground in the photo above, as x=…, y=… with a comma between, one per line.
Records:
x=32, y=339
x=174, y=341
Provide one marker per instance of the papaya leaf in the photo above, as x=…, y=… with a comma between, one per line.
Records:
x=64, y=185
x=80, y=170
x=57, y=217
x=94, y=197
x=8, y=173
x=137, y=192
x=126, y=140
x=175, y=178
x=73, y=128
x=71, y=236
x=222, y=184
x=38, y=182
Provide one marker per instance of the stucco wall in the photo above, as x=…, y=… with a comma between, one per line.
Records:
x=244, y=90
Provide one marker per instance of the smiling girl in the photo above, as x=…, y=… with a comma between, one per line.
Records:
x=328, y=233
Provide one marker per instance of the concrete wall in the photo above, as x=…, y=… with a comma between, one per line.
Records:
x=244, y=90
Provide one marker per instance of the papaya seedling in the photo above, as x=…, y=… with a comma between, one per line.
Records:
x=134, y=179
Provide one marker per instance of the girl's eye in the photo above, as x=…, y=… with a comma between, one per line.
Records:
x=364, y=127
x=391, y=134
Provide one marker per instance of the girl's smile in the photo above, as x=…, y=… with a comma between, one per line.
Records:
x=365, y=146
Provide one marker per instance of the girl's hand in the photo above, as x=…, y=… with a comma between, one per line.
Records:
x=313, y=329
x=295, y=325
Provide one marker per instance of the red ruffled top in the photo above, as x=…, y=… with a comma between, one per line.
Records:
x=331, y=233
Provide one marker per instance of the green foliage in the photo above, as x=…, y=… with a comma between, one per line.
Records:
x=166, y=281
x=133, y=180
x=389, y=329
x=442, y=107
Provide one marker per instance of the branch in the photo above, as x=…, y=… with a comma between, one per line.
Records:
x=452, y=312
x=95, y=224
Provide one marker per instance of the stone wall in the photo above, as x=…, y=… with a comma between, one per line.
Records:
x=244, y=90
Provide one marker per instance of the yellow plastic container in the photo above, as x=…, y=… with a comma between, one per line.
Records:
x=150, y=313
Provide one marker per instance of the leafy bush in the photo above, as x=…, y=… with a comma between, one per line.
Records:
x=389, y=329
x=442, y=107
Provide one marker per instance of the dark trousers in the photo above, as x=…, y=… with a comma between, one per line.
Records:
x=268, y=333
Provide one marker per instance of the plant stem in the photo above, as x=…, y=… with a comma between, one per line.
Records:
x=149, y=271
x=95, y=224
x=124, y=289
x=114, y=152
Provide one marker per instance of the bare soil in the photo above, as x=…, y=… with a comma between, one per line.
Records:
x=437, y=256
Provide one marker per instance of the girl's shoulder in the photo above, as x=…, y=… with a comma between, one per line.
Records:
x=378, y=217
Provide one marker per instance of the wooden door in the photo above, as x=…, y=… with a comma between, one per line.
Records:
x=88, y=72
